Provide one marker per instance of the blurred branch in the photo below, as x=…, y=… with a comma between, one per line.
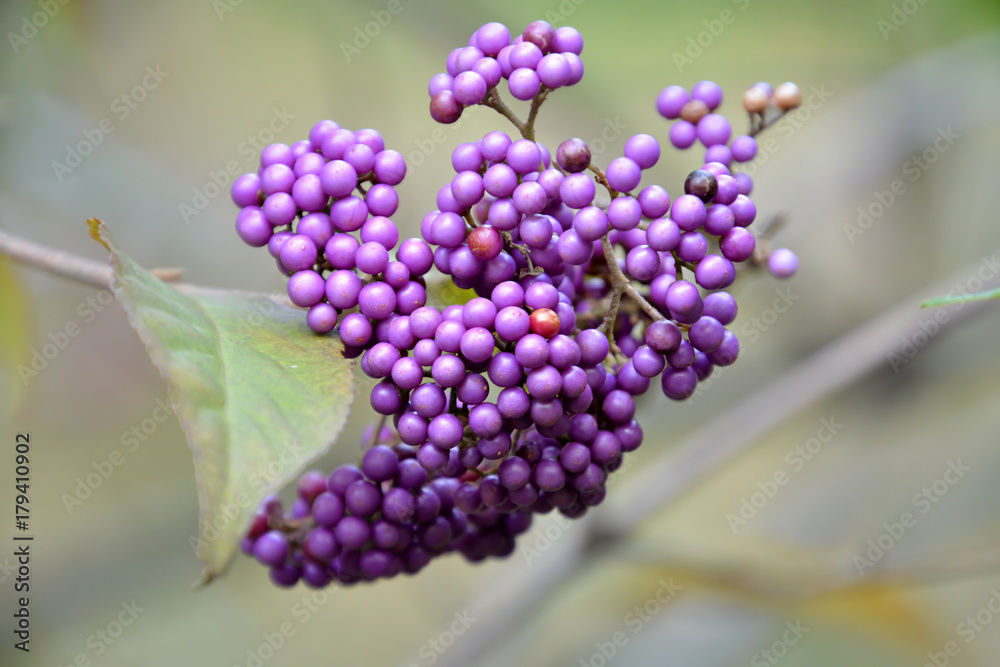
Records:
x=955, y=564
x=811, y=573
x=662, y=481
x=765, y=234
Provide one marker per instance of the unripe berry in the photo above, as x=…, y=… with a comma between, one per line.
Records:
x=787, y=96
x=545, y=322
x=485, y=243
x=694, y=111
x=755, y=100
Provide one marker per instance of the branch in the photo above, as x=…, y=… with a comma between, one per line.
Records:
x=807, y=574
x=494, y=102
x=602, y=179
x=663, y=480
x=59, y=262
x=622, y=284
x=764, y=122
x=536, y=104
x=66, y=264
x=89, y=271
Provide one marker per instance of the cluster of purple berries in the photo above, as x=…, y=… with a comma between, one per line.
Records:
x=522, y=399
x=542, y=58
x=322, y=207
x=696, y=120
x=382, y=519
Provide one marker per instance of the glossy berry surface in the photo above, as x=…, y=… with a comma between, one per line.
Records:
x=512, y=344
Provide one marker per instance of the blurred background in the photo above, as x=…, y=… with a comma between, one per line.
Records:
x=837, y=503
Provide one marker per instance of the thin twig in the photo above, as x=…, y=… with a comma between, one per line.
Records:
x=89, y=271
x=536, y=104
x=509, y=244
x=645, y=305
x=377, y=432
x=622, y=283
x=773, y=225
x=607, y=325
x=602, y=178
x=763, y=123
x=493, y=101
x=55, y=261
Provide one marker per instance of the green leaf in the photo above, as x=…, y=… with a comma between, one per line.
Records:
x=964, y=298
x=259, y=396
x=15, y=332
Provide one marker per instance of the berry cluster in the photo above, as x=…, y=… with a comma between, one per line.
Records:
x=302, y=205
x=522, y=399
x=540, y=58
